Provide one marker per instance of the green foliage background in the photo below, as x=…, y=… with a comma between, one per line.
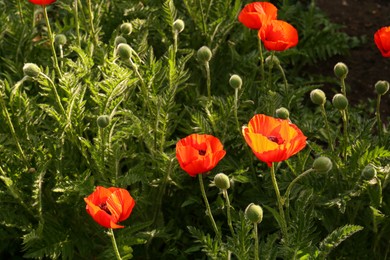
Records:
x=53, y=154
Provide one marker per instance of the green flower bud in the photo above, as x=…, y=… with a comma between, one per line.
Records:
x=322, y=164
x=204, y=54
x=222, y=181
x=126, y=28
x=381, y=87
x=272, y=60
x=254, y=213
x=340, y=70
x=31, y=70
x=282, y=113
x=340, y=102
x=60, y=39
x=318, y=97
x=178, y=25
x=369, y=172
x=119, y=39
x=103, y=121
x=124, y=51
x=235, y=81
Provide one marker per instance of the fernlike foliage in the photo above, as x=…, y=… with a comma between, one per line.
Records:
x=54, y=153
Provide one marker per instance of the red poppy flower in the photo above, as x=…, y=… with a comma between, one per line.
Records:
x=198, y=154
x=278, y=35
x=273, y=139
x=255, y=14
x=382, y=41
x=109, y=206
x=42, y=2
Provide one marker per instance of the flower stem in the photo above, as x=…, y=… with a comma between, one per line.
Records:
x=76, y=21
x=114, y=245
x=57, y=96
x=289, y=188
x=261, y=59
x=236, y=109
x=280, y=203
x=208, y=81
x=256, y=237
x=91, y=18
x=200, y=177
x=20, y=11
x=229, y=217
x=51, y=38
x=323, y=112
x=378, y=116
x=284, y=78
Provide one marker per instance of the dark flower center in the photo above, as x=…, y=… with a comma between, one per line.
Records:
x=275, y=139
x=104, y=207
x=201, y=152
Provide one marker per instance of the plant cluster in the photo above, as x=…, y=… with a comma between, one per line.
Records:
x=109, y=110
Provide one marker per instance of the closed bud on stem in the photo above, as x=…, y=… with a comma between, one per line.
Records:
x=235, y=81
x=254, y=213
x=204, y=54
x=178, y=25
x=103, y=121
x=60, y=39
x=222, y=181
x=322, y=164
x=31, y=70
x=369, y=172
x=272, y=60
x=381, y=87
x=126, y=28
x=124, y=51
x=318, y=97
x=340, y=70
x=340, y=102
x=282, y=113
x=119, y=39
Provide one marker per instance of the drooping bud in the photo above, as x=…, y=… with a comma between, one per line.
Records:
x=60, y=39
x=126, y=28
x=369, y=172
x=235, y=81
x=204, y=54
x=322, y=164
x=222, y=181
x=340, y=70
x=178, y=25
x=381, y=87
x=272, y=60
x=103, y=121
x=119, y=39
x=318, y=97
x=282, y=113
x=340, y=102
x=254, y=213
x=31, y=70
x=124, y=51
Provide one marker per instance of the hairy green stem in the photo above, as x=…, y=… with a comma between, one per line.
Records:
x=286, y=197
x=378, y=116
x=261, y=59
x=256, y=237
x=76, y=21
x=114, y=245
x=57, y=96
x=280, y=203
x=51, y=38
x=91, y=18
x=208, y=81
x=229, y=217
x=20, y=11
x=236, y=110
x=345, y=131
x=206, y=202
x=323, y=112
x=284, y=78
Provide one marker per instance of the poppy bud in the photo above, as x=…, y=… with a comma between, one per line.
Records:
x=369, y=172
x=119, y=39
x=318, y=97
x=60, y=39
x=235, y=81
x=178, y=25
x=124, y=51
x=103, y=121
x=126, y=28
x=254, y=213
x=272, y=60
x=222, y=181
x=204, y=54
x=282, y=113
x=382, y=86
x=322, y=164
x=340, y=101
x=31, y=70
x=340, y=70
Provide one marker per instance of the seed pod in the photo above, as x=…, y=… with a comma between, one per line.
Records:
x=60, y=39
x=282, y=113
x=381, y=87
x=31, y=70
x=340, y=102
x=235, y=81
x=103, y=121
x=222, y=181
x=322, y=164
x=126, y=28
x=204, y=54
x=178, y=25
x=340, y=70
x=124, y=51
x=318, y=97
x=369, y=172
x=254, y=213
x=119, y=39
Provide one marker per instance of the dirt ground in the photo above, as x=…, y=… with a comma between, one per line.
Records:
x=366, y=64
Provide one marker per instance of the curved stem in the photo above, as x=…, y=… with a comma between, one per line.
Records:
x=290, y=186
x=200, y=177
x=57, y=96
x=280, y=203
x=229, y=217
x=323, y=112
x=284, y=78
x=256, y=236
x=114, y=245
x=378, y=116
x=51, y=38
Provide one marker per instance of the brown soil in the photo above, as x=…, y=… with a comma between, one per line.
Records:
x=366, y=64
